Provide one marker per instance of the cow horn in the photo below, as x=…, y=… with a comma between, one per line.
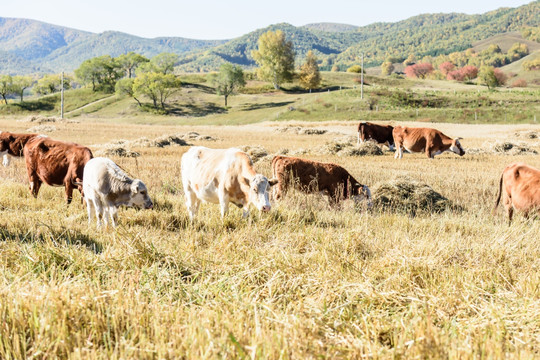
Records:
x=459, y=138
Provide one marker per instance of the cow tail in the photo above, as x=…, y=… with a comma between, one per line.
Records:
x=499, y=194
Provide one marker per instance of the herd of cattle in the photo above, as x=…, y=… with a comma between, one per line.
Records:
x=224, y=176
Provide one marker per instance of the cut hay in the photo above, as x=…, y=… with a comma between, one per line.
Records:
x=300, y=130
x=169, y=140
x=309, y=131
x=41, y=129
x=256, y=153
x=40, y=119
x=346, y=146
x=118, y=148
x=503, y=148
x=404, y=194
x=527, y=134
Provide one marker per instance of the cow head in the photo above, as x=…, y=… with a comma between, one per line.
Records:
x=258, y=191
x=361, y=193
x=139, y=195
x=456, y=147
x=5, y=140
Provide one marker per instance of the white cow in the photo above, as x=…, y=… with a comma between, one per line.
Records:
x=221, y=176
x=106, y=187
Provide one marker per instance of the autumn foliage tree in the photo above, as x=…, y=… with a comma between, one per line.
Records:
x=275, y=57
x=491, y=77
x=446, y=67
x=469, y=72
x=387, y=68
x=310, y=77
x=420, y=70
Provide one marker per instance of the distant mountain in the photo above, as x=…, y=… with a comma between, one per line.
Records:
x=47, y=48
x=28, y=46
x=331, y=27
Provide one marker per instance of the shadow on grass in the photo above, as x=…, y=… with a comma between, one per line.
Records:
x=65, y=236
x=43, y=104
x=198, y=110
x=249, y=107
x=202, y=88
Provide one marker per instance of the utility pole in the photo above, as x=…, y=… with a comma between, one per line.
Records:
x=362, y=79
x=62, y=97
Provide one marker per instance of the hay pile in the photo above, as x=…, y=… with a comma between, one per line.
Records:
x=256, y=153
x=404, y=194
x=192, y=135
x=527, y=134
x=346, y=146
x=41, y=129
x=40, y=119
x=503, y=148
x=119, y=148
x=301, y=131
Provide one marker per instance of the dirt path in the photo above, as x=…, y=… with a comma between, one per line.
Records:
x=89, y=104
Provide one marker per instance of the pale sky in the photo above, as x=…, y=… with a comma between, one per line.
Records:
x=227, y=19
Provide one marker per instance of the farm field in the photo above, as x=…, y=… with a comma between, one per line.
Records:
x=306, y=280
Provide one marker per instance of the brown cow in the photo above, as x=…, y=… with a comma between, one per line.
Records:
x=311, y=176
x=55, y=163
x=12, y=144
x=431, y=141
x=520, y=189
x=382, y=134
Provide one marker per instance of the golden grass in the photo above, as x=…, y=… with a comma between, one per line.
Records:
x=304, y=281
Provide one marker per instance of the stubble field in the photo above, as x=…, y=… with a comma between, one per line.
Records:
x=304, y=281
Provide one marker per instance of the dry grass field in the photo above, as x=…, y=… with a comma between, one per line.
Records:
x=305, y=281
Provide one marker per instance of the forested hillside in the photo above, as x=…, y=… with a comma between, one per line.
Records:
x=47, y=47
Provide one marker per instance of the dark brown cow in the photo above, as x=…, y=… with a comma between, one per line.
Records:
x=382, y=134
x=311, y=176
x=431, y=141
x=55, y=163
x=13, y=144
x=519, y=188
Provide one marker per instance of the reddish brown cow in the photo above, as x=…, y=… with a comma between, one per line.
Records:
x=55, y=163
x=13, y=144
x=520, y=189
x=431, y=141
x=382, y=134
x=311, y=176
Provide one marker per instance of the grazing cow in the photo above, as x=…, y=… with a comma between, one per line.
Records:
x=311, y=176
x=221, y=176
x=55, y=163
x=106, y=187
x=520, y=189
x=382, y=134
x=12, y=144
x=431, y=141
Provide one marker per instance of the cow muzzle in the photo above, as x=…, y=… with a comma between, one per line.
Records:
x=266, y=208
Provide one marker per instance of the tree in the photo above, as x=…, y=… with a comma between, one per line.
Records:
x=491, y=77
x=102, y=72
x=446, y=67
x=157, y=86
x=387, y=68
x=125, y=87
x=228, y=80
x=21, y=83
x=6, y=84
x=130, y=61
x=456, y=75
x=469, y=72
x=275, y=57
x=50, y=84
x=310, y=77
x=517, y=51
x=164, y=63
x=420, y=70
x=355, y=69
x=411, y=59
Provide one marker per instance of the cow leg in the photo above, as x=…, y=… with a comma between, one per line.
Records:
x=35, y=185
x=113, y=213
x=192, y=203
x=99, y=212
x=359, y=141
x=399, y=152
x=69, y=191
x=223, y=202
x=277, y=190
x=89, y=209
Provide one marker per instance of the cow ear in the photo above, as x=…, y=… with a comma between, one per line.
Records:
x=134, y=187
x=272, y=182
x=459, y=138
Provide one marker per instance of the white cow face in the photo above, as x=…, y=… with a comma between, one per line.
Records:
x=457, y=148
x=258, y=192
x=139, y=195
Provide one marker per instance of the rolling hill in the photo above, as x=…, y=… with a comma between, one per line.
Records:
x=32, y=46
